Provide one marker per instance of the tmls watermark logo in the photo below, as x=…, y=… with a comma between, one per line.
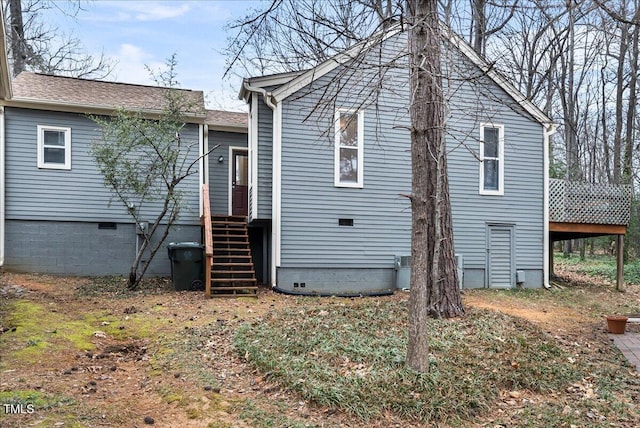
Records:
x=18, y=409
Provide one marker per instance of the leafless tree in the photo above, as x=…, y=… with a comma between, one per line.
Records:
x=39, y=46
x=311, y=31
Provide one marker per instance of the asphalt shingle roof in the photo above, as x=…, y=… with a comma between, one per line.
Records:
x=95, y=94
x=227, y=118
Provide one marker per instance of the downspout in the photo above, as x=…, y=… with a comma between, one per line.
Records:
x=548, y=131
x=2, y=183
x=275, y=178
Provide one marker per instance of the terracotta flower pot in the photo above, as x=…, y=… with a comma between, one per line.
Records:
x=616, y=324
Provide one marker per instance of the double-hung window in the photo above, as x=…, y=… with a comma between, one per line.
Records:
x=491, y=159
x=349, y=147
x=54, y=147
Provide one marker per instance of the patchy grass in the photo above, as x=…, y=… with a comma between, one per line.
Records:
x=351, y=358
x=600, y=266
x=31, y=401
x=116, y=287
x=258, y=417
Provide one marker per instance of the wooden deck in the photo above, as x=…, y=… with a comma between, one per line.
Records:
x=583, y=210
x=580, y=210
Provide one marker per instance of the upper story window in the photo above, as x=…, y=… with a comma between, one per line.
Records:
x=349, y=147
x=491, y=159
x=54, y=147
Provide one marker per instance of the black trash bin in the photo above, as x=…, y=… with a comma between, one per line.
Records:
x=187, y=267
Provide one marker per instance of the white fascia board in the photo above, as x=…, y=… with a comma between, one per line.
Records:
x=237, y=129
x=500, y=80
x=265, y=81
x=331, y=64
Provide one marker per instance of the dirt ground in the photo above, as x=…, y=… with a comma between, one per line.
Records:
x=116, y=369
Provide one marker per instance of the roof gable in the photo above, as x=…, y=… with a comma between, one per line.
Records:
x=294, y=82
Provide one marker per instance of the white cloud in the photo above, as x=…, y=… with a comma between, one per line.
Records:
x=147, y=11
x=131, y=65
x=159, y=11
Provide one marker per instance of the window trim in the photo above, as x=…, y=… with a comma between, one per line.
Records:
x=500, y=190
x=67, y=147
x=359, y=184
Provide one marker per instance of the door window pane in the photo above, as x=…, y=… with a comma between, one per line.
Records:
x=242, y=170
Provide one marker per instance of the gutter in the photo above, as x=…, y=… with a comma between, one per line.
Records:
x=548, y=131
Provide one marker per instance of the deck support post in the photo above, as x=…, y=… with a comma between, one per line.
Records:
x=620, y=263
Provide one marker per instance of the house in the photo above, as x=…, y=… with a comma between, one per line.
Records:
x=58, y=217
x=329, y=165
x=320, y=168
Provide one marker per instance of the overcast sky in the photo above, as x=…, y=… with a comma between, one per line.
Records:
x=139, y=33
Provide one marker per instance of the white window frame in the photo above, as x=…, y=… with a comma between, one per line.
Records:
x=67, y=147
x=359, y=184
x=500, y=159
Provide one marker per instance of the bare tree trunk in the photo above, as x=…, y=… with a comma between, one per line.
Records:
x=480, y=25
x=434, y=287
x=569, y=103
x=620, y=87
x=627, y=167
x=18, y=45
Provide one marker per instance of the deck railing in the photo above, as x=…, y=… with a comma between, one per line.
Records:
x=205, y=220
x=578, y=202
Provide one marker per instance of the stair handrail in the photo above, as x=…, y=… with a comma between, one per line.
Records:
x=205, y=220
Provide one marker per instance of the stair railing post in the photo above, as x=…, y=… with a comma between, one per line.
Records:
x=205, y=220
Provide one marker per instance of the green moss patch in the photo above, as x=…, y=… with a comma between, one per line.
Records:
x=40, y=329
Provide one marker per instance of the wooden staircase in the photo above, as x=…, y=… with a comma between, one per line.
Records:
x=232, y=272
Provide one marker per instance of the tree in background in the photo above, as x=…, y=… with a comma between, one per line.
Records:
x=143, y=161
x=36, y=45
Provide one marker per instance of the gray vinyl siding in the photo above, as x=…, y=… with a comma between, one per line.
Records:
x=311, y=205
x=265, y=160
x=219, y=172
x=78, y=194
x=522, y=202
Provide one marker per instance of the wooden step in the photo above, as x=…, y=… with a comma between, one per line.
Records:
x=234, y=272
x=250, y=287
x=228, y=222
x=235, y=250
x=228, y=230
x=232, y=256
x=233, y=264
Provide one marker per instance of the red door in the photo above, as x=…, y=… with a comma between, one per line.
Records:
x=240, y=183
